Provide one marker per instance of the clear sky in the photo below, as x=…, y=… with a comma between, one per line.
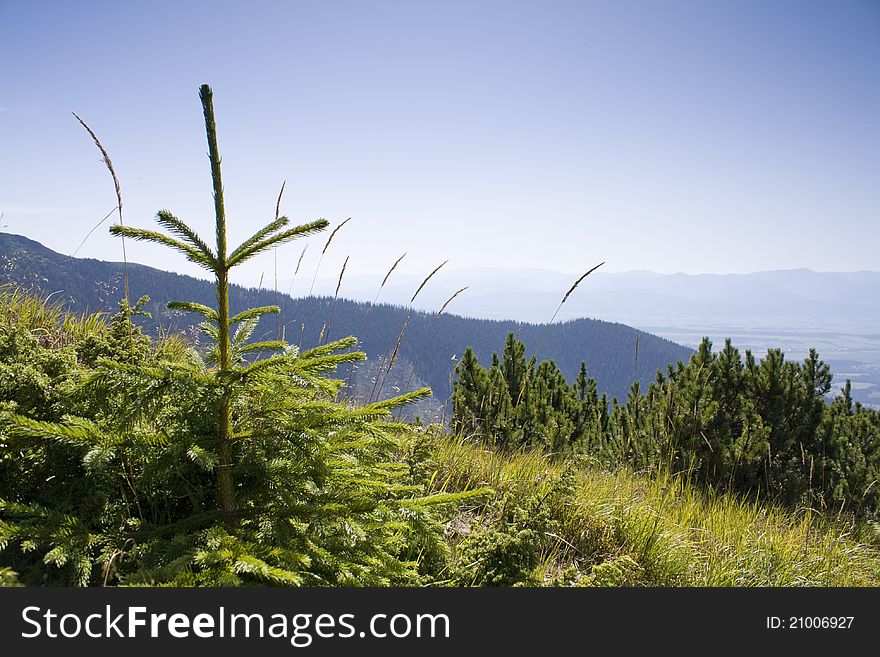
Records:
x=670, y=136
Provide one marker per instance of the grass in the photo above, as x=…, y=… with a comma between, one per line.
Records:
x=676, y=534
x=43, y=317
x=57, y=327
x=109, y=164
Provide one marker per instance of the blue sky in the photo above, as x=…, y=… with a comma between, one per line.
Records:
x=669, y=136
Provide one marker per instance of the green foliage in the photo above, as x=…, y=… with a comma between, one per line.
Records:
x=592, y=527
x=620, y=571
x=8, y=578
x=129, y=461
x=32, y=377
x=752, y=427
x=502, y=557
x=516, y=531
x=85, y=502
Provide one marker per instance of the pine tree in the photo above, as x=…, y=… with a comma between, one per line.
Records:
x=469, y=393
x=514, y=366
x=230, y=350
x=758, y=428
x=497, y=406
x=224, y=467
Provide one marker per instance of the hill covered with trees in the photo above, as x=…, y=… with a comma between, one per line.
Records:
x=428, y=351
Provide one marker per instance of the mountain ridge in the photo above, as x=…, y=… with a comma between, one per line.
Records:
x=427, y=352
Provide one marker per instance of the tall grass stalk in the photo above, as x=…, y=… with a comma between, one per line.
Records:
x=118, y=189
x=109, y=164
x=402, y=330
x=315, y=277
x=279, y=318
x=550, y=323
x=636, y=358
x=572, y=289
x=427, y=278
x=93, y=229
x=449, y=300
x=412, y=371
x=385, y=280
x=46, y=318
x=335, y=297
x=296, y=271
x=323, y=251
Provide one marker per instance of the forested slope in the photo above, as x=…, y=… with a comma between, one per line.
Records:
x=427, y=349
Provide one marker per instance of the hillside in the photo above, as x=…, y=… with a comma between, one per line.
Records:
x=427, y=352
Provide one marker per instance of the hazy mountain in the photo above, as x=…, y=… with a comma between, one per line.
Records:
x=795, y=298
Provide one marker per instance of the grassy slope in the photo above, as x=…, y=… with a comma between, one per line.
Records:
x=675, y=534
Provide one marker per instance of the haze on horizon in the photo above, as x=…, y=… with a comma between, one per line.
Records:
x=690, y=137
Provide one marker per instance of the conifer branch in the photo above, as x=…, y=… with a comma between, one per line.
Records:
x=330, y=347
x=268, y=345
x=208, y=313
x=279, y=238
x=144, y=235
x=254, y=312
x=177, y=227
x=272, y=227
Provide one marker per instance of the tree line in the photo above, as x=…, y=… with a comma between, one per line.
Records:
x=734, y=422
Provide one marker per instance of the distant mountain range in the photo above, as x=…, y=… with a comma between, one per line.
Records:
x=428, y=349
x=796, y=299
